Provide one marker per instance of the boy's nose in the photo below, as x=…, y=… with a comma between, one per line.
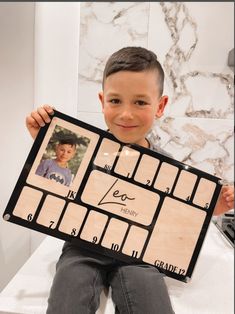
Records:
x=126, y=113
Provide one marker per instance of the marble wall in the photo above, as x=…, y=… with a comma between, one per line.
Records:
x=192, y=41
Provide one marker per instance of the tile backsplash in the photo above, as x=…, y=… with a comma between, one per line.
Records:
x=192, y=42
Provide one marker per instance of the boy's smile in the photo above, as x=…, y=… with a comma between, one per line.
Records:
x=130, y=103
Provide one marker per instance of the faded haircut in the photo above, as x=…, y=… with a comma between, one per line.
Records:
x=136, y=59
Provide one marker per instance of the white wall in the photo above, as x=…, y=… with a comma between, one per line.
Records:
x=16, y=100
x=39, y=46
x=56, y=55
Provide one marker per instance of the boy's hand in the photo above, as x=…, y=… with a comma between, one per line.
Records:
x=225, y=201
x=38, y=118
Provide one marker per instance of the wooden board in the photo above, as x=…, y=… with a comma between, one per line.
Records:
x=124, y=200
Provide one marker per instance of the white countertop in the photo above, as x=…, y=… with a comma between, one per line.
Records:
x=210, y=290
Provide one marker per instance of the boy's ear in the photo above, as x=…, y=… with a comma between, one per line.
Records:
x=161, y=106
x=101, y=98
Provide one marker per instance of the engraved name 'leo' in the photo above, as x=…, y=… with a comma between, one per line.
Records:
x=114, y=196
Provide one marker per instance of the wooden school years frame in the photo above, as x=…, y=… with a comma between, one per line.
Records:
x=120, y=200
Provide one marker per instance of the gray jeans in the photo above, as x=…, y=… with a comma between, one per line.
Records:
x=81, y=276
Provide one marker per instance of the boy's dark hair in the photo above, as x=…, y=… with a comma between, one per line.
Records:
x=68, y=139
x=134, y=59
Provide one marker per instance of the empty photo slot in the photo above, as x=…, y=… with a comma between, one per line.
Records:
x=114, y=234
x=73, y=219
x=127, y=161
x=27, y=203
x=107, y=153
x=51, y=211
x=146, y=169
x=174, y=236
x=204, y=193
x=135, y=241
x=94, y=227
x=185, y=185
x=166, y=177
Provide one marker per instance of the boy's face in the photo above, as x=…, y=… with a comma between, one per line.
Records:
x=65, y=152
x=130, y=103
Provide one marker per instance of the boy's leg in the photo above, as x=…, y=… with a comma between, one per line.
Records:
x=77, y=284
x=138, y=289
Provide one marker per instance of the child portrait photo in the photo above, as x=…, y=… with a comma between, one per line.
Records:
x=63, y=156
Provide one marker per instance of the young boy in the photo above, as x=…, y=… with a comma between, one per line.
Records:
x=131, y=100
x=57, y=169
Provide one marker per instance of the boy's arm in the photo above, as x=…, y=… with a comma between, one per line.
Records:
x=42, y=168
x=38, y=118
x=225, y=201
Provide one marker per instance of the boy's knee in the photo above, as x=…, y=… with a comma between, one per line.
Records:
x=141, y=274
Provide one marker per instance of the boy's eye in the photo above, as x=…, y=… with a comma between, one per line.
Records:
x=141, y=102
x=114, y=101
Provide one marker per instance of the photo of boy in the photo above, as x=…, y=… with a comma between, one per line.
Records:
x=62, y=158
